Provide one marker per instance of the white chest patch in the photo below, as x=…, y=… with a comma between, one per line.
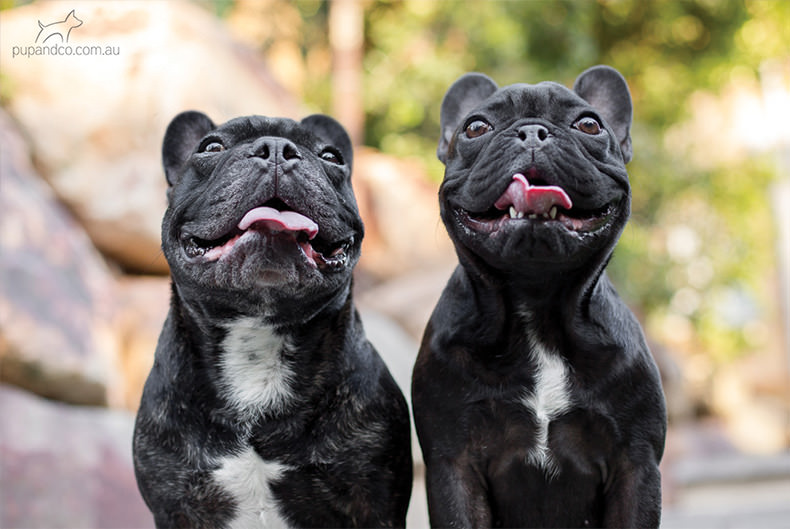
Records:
x=246, y=477
x=253, y=373
x=548, y=400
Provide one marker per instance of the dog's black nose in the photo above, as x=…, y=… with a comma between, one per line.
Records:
x=533, y=134
x=275, y=149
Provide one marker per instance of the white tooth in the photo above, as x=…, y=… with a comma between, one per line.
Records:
x=521, y=214
x=513, y=213
x=533, y=216
x=553, y=212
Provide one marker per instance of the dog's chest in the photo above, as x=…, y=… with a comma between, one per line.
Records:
x=548, y=399
x=247, y=479
x=254, y=377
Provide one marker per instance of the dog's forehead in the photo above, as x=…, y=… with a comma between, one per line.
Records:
x=532, y=100
x=249, y=127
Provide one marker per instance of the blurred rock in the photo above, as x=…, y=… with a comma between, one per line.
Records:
x=398, y=349
x=403, y=231
x=708, y=482
x=56, y=303
x=410, y=298
x=66, y=466
x=143, y=304
x=96, y=122
x=681, y=403
x=751, y=395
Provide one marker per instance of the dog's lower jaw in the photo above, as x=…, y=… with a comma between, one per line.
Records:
x=279, y=290
x=536, y=264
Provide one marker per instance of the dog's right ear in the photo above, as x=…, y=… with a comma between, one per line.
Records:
x=181, y=139
x=607, y=91
x=465, y=94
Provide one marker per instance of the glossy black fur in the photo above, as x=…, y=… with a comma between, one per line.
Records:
x=535, y=285
x=344, y=432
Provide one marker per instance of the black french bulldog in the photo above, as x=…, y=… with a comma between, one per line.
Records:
x=536, y=400
x=266, y=405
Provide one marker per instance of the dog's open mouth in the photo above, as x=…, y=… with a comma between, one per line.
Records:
x=531, y=201
x=274, y=219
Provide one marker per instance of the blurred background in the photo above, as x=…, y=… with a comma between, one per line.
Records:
x=87, y=89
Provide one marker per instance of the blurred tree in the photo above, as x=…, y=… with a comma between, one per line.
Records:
x=346, y=24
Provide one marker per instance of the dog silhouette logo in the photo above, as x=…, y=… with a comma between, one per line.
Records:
x=61, y=29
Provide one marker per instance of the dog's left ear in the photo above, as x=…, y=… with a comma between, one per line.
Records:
x=333, y=133
x=606, y=90
x=465, y=94
x=181, y=139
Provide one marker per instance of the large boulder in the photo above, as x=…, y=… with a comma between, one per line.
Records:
x=400, y=207
x=410, y=298
x=57, y=313
x=143, y=303
x=96, y=121
x=66, y=466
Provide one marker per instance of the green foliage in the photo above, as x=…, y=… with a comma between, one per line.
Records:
x=416, y=49
x=6, y=89
x=8, y=4
x=698, y=234
x=668, y=50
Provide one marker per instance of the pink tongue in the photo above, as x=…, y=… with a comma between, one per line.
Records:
x=532, y=199
x=279, y=220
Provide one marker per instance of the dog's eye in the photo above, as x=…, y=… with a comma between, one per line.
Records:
x=477, y=128
x=332, y=156
x=211, y=146
x=588, y=125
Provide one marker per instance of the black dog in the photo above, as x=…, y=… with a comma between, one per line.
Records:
x=536, y=399
x=266, y=405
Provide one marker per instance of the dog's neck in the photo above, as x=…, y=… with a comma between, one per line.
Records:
x=537, y=285
x=253, y=357
x=208, y=325
x=558, y=301
x=211, y=311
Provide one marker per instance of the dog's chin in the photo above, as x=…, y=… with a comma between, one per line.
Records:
x=263, y=259
x=507, y=239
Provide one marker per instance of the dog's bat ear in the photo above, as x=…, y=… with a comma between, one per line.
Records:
x=333, y=133
x=607, y=91
x=181, y=139
x=465, y=94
